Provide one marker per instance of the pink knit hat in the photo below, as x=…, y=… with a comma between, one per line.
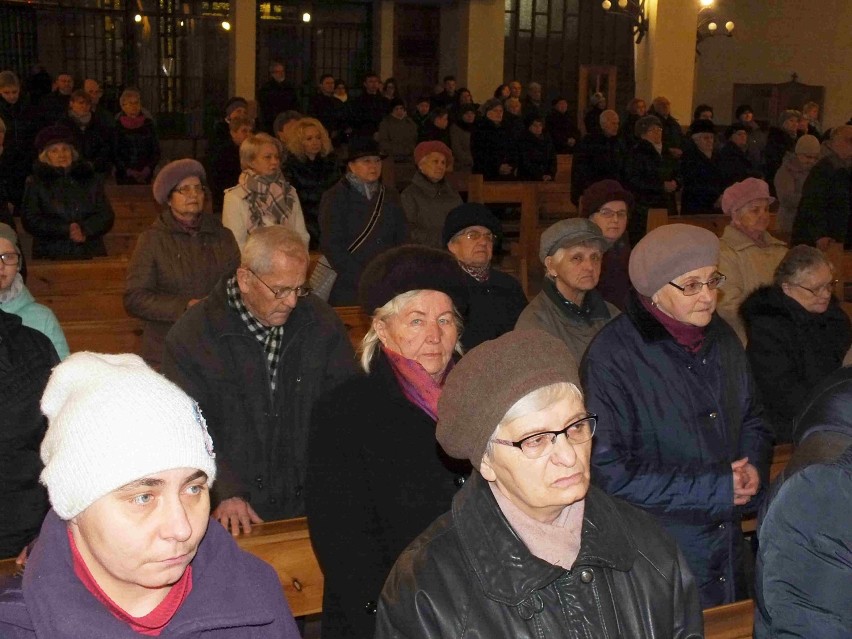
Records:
x=738, y=195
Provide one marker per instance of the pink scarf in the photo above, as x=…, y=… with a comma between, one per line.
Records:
x=689, y=336
x=131, y=122
x=417, y=385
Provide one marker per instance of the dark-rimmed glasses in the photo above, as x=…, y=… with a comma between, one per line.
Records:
x=608, y=214
x=10, y=259
x=694, y=288
x=541, y=444
x=825, y=288
x=281, y=293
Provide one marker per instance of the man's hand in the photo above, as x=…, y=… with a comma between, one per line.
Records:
x=746, y=481
x=234, y=513
x=75, y=233
x=506, y=169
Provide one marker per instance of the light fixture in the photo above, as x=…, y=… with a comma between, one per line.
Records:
x=226, y=25
x=137, y=18
x=635, y=11
x=708, y=25
x=306, y=17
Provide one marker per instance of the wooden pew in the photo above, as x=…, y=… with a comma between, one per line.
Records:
x=118, y=335
x=780, y=457
x=564, y=164
x=715, y=222
x=357, y=323
x=102, y=274
x=733, y=621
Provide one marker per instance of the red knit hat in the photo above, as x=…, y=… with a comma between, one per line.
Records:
x=433, y=146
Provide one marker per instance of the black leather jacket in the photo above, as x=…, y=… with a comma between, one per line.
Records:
x=469, y=575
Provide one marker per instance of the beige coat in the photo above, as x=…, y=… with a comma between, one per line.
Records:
x=746, y=267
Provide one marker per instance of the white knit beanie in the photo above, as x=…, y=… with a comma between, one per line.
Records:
x=113, y=420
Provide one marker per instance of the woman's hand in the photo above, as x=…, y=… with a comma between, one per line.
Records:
x=746, y=481
x=75, y=233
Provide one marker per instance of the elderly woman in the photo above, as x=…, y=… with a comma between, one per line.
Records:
x=700, y=171
x=749, y=254
x=179, y=259
x=359, y=218
x=797, y=334
x=494, y=155
x=262, y=197
x=568, y=306
x=64, y=207
x=311, y=168
x=790, y=178
x=608, y=204
x=682, y=435
x=378, y=481
x=16, y=298
x=428, y=199
x=529, y=547
x=136, y=148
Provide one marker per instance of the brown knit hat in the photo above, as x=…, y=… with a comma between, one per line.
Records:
x=488, y=381
x=668, y=252
x=601, y=192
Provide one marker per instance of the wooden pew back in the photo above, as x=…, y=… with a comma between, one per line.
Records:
x=733, y=621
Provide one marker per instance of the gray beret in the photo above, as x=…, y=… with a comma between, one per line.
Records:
x=8, y=233
x=173, y=174
x=487, y=382
x=570, y=232
x=668, y=252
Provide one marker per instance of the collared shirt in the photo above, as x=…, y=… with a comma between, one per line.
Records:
x=268, y=336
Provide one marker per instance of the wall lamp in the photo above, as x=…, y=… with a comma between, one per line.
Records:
x=709, y=25
x=634, y=10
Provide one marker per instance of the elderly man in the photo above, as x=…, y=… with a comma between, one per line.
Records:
x=256, y=353
x=55, y=104
x=126, y=550
x=569, y=307
x=275, y=96
x=96, y=93
x=672, y=133
x=529, y=548
x=826, y=204
x=496, y=298
x=598, y=156
x=531, y=102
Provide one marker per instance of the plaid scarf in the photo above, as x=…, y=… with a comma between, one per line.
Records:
x=268, y=336
x=268, y=196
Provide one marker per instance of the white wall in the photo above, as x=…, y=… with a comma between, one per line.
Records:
x=773, y=39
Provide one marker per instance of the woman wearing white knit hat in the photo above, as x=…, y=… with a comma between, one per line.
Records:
x=126, y=550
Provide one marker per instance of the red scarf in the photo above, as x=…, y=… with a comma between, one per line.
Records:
x=417, y=385
x=131, y=122
x=152, y=624
x=689, y=336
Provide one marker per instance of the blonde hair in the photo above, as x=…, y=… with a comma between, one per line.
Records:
x=251, y=146
x=129, y=93
x=370, y=343
x=295, y=142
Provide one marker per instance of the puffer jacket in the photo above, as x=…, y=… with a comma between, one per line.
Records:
x=670, y=425
x=169, y=267
x=39, y=317
x=470, y=576
x=54, y=199
x=791, y=350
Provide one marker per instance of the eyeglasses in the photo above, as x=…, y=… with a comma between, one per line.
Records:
x=189, y=189
x=825, y=288
x=281, y=293
x=694, y=288
x=10, y=259
x=608, y=214
x=541, y=444
x=474, y=236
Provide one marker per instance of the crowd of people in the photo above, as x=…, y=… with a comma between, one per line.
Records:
x=441, y=497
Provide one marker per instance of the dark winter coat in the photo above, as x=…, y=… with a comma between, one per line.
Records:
x=469, y=575
x=54, y=199
x=614, y=282
x=592, y=121
x=702, y=181
x=13, y=176
x=311, y=179
x=791, y=350
x=491, y=145
x=734, y=165
x=366, y=112
x=52, y=107
x=26, y=360
x=597, y=157
x=645, y=170
x=377, y=479
x=672, y=132
x=169, y=268
x=670, y=425
x=223, y=171
x=426, y=205
x=778, y=144
x=234, y=594
x=261, y=437
x=825, y=209
x=273, y=98
x=331, y=112
x=562, y=129
x=93, y=142
x=136, y=149
x=536, y=157
x=344, y=213
x=18, y=149
x=493, y=308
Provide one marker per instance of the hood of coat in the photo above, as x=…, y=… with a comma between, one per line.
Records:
x=506, y=569
x=771, y=301
x=828, y=408
x=79, y=171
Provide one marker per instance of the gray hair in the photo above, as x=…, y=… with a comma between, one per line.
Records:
x=370, y=343
x=75, y=155
x=251, y=146
x=263, y=243
x=129, y=93
x=537, y=400
x=797, y=260
x=646, y=123
x=9, y=79
x=607, y=114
